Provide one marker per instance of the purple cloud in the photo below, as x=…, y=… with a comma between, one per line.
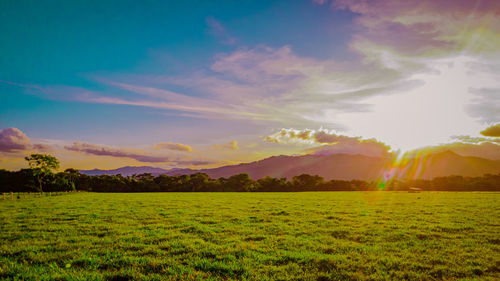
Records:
x=12, y=139
x=94, y=149
x=136, y=154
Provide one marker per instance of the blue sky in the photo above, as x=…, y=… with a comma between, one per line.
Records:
x=69, y=42
x=130, y=74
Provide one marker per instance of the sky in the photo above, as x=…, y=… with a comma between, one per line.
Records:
x=106, y=84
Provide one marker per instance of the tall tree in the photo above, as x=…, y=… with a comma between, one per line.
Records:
x=73, y=175
x=306, y=182
x=43, y=166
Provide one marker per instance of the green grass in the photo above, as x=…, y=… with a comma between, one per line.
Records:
x=254, y=236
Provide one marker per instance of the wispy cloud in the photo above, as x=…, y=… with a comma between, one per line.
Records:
x=94, y=149
x=231, y=145
x=469, y=139
x=427, y=27
x=173, y=146
x=136, y=154
x=42, y=147
x=161, y=99
x=485, y=104
x=219, y=31
x=274, y=84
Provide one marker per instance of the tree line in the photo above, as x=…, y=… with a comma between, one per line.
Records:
x=41, y=176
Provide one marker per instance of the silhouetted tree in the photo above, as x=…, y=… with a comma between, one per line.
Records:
x=73, y=176
x=306, y=182
x=271, y=184
x=42, y=166
x=239, y=182
x=35, y=178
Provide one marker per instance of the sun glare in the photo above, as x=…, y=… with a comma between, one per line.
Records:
x=425, y=115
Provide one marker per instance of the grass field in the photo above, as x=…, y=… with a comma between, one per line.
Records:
x=254, y=236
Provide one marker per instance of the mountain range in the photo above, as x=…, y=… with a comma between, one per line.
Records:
x=336, y=166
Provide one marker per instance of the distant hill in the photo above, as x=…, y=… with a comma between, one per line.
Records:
x=448, y=163
x=125, y=171
x=336, y=166
x=137, y=170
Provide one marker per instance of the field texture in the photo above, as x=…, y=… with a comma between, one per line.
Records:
x=252, y=236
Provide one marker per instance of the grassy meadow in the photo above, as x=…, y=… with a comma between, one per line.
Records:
x=251, y=236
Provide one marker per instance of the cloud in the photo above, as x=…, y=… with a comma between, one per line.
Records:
x=231, y=145
x=367, y=148
x=217, y=29
x=292, y=135
x=493, y=131
x=319, y=2
x=314, y=91
x=265, y=83
x=56, y=92
x=469, y=139
x=12, y=139
x=485, y=104
x=41, y=147
x=310, y=136
x=155, y=98
x=260, y=83
x=173, y=146
x=136, y=154
x=335, y=144
x=158, y=97
x=94, y=149
x=427, y=27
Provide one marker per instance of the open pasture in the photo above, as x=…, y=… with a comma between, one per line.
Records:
x=252, y=236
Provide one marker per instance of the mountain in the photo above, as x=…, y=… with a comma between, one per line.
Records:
x=126, y=171
x=337, y=166
x=137, y=170
x=179, y=171
x=448, y=163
